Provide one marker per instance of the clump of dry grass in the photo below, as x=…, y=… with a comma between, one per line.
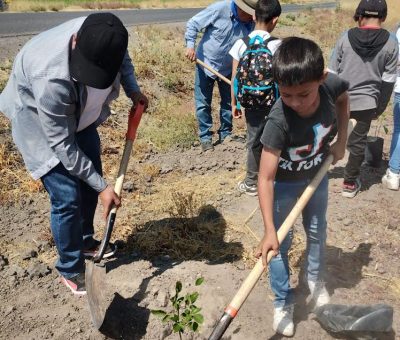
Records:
x=193, y=231
x=15, y=181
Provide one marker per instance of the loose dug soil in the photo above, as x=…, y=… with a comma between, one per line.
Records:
x=182, y=218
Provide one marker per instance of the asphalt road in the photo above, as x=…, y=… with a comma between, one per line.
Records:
x=15, y=24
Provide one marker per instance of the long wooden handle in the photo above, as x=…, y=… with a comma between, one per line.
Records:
x=133, y=123
x=251, y=280
x=219, y=75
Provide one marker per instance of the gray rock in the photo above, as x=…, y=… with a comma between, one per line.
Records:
x=38, y=269
x=3, y=262
x=165, y=169
x=162, y=298
x=16, y=271
x=31, y=253
x=347, y=222
x=128, y=186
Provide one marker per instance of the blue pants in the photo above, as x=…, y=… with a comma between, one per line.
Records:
x=314, y=222
x=203, y=90
x=73, y=204
x=394, y=162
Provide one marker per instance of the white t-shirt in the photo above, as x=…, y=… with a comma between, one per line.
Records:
x=239, y=47
x=397, y=85
x=94, y=103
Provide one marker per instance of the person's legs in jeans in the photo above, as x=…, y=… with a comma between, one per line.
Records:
x=203, y=89
x=89, y=142
x=65, y=198
x=71, y=215
x=255, y=122
x=394, y=162
x=285, y=197
x=314, y=222
x=225, y=113
x=356, y=145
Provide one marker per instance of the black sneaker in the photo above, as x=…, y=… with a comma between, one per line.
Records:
x=248, y=190
x=110, y=250
x=76, y=284
x=207, y=145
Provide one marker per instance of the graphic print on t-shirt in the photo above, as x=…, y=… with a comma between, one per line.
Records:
x=306, y=157
x=299, y=153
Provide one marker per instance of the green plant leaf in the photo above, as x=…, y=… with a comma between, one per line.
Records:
x=174, y=318
x=178, y=286
x=193, y=297
x=385, y=129
x=195, y=326
x=177, y=327
x=195, y=309
x=199, y=281
x=198, y=318
x=166, y=318
x=158, y=312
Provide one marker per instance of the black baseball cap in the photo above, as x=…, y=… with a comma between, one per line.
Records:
x=371, y=8
x=100, y=48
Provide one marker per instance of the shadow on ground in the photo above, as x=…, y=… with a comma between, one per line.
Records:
x=343, y=270
x=166, y=243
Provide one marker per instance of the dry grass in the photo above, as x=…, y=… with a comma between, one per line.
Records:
x=59, y=5
x=393, y=10
x=15, y=181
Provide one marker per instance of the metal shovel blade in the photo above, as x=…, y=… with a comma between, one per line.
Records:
x=95, y=277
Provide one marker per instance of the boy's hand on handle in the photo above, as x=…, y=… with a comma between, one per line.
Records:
x=338, y=150
x=236, y=113
x=268, y=242
x=109, y=199
x=191, y=54
x=139, y=97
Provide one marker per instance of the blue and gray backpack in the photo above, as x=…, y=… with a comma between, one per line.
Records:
x=254, y=86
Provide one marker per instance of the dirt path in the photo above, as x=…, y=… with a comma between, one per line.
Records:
x=362, y=258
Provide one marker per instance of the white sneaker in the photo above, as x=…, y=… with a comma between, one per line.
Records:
x=283, y=320
x=391, y=180
x=319, y=294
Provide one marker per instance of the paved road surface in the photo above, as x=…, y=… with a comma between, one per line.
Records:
x=15, y=24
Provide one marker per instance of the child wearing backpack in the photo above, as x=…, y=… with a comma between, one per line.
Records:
x=312, y=107
x=252, y=87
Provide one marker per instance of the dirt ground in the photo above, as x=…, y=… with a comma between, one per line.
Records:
x=362, y=257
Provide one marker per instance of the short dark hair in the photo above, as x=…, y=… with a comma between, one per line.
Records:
x=266, y=10
x=297, y=61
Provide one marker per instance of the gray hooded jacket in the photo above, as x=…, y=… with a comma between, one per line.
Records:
x=44, y=104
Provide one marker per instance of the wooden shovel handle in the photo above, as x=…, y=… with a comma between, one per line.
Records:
x=219, y=75
x=251, y=280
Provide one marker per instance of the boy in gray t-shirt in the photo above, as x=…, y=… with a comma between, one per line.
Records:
x=365, y=56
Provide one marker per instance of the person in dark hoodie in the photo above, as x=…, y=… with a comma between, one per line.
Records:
x=365, y=56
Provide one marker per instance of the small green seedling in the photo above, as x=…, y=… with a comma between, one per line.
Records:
x=185, y=315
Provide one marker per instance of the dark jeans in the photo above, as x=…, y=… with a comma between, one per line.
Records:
x=255, y=122
x=73, y=204
x=203, y=90
x=356, y=143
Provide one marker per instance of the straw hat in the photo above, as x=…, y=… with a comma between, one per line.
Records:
x=246, y=5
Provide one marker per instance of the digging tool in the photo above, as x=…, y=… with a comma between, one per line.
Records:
x=219, y=75
x=251, y=280
x=95, y=270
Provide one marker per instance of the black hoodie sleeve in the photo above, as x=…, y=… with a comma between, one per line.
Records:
x=384, y=97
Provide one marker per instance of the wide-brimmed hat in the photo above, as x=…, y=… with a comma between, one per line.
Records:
x=100, y=48
x=247, y=5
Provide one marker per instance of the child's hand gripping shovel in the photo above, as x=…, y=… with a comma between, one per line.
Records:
x=251, y=280
x=95, y=271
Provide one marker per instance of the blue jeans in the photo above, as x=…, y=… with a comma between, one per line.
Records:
x=314, y=222
x=203, y=90
x=394, y=162
x=73, y=204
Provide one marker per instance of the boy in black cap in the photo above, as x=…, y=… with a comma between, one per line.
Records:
x=69, y=75
x=365, y=56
